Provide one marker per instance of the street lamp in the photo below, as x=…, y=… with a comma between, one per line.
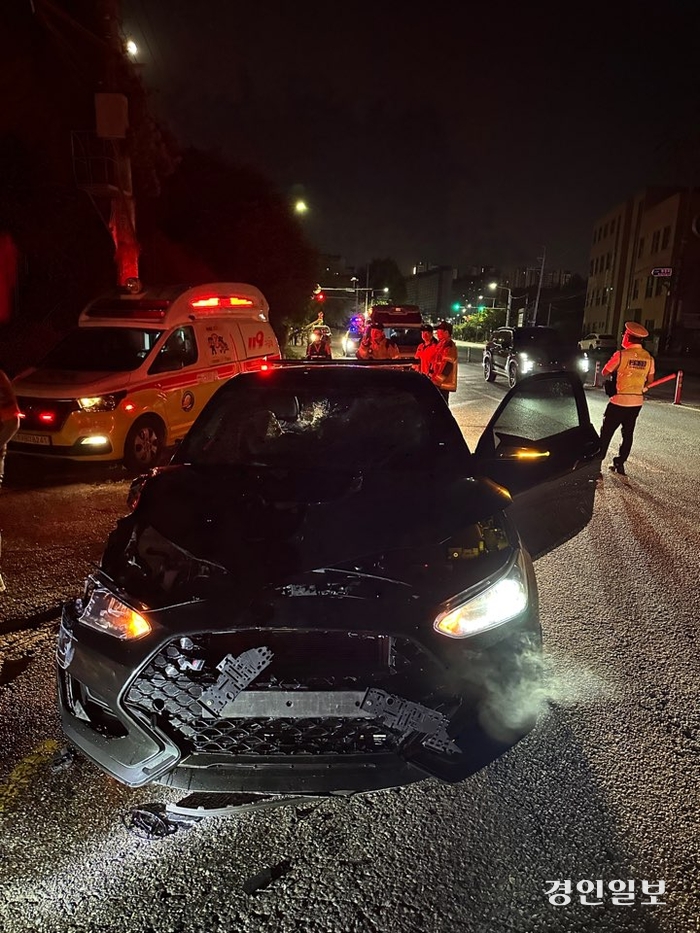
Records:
x=301, y=207
x=354, y=281
x=495, y=285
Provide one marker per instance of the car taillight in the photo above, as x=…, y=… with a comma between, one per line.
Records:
x=47, y=417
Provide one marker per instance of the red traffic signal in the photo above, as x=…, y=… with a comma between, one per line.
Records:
x=319, y=296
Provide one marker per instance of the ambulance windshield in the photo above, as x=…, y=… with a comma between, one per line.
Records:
x=102, y=349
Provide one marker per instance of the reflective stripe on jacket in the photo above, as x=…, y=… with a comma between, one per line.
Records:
x=445, y=366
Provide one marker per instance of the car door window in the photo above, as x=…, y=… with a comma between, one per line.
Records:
x=178, y=351
x=538, y=411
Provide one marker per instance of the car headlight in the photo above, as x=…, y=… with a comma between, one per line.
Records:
x=101, y=402
x=105, y=613
x=583, y=365
x=498, y=603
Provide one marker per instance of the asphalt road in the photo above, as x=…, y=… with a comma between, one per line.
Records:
x=605, y=788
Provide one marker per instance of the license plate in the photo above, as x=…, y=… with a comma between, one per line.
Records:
x=22, y=438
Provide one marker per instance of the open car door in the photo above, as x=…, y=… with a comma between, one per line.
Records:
x=541, y=445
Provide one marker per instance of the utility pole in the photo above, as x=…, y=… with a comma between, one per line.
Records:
x=539, y=285
x=111, y=112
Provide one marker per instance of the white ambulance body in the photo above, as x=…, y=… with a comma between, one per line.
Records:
x=138, y=369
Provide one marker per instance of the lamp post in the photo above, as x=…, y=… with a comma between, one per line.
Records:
x=354, y=280
x=509, y=302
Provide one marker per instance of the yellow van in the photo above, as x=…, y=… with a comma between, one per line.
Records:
x=135, y=373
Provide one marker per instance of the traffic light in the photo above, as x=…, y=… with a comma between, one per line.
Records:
x=482, y=308
x=319, y=296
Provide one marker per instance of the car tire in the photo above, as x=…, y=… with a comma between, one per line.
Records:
x=143, y=447
x=512, y=375
x=489, y=374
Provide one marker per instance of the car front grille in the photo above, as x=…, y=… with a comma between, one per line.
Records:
x=168, y=689
x=46, y=415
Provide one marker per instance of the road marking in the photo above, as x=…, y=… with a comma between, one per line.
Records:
x=22, y=774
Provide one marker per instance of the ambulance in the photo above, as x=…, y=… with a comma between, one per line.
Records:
x=141, y=365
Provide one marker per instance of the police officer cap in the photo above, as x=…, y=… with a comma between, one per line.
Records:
x=444, y=325
x=428, y=327
x=375, y=325
x=636, y=330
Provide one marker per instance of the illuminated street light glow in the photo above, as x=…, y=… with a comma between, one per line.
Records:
x=131, y=48
x=300, y=207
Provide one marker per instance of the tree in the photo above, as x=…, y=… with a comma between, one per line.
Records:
x=227, y=221
x=385, y=273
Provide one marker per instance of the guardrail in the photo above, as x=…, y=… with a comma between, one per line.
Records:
x=678, y=376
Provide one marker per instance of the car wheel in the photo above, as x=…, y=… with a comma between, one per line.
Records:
x=512, y=375
x=143, y=447
x=489, y=374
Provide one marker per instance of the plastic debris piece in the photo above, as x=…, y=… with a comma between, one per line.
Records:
x=62, y=760
x=150, y=822
x=236, y=675
x=405, y=717
x=264, y=878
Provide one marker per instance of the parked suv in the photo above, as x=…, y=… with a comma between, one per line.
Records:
x=520, y=351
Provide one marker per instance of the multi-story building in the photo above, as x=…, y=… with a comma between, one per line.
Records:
x=645, y=266
x=529, y=277
x=431, y=290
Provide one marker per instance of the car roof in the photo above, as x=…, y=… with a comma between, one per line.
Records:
x=339, y=375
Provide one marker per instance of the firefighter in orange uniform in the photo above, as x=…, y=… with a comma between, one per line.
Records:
x=444, y=368
x=375, y=346
x=425, y=351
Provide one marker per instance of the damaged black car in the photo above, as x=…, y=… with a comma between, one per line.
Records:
x=326, y=591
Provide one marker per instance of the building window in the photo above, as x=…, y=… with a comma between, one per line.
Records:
x=649, y=324
x=649, y=291
x=635, y=289
x=655, y=241
x=666, y=239
x=659, y=286
x=591, y=269
x=640, y=247
x=607, y=260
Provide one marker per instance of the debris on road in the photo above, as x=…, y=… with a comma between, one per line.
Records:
x=264, y=878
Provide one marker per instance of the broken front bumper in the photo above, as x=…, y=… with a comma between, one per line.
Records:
x=274, y=711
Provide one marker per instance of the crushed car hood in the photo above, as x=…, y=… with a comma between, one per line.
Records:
x=200, y=531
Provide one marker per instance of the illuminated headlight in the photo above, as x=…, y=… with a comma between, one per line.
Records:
x=105, y=613
x=583, y=365
x=503, y=600
x=100, y=402
x=526, y=365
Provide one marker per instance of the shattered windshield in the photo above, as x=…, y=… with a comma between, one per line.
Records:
x=326, y=427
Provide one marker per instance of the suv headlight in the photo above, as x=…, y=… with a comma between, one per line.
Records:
x=499, y=602
x=105, y=613
x=101, y=402
x=583, y=364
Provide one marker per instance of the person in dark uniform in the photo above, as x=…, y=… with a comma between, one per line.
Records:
x=635, y=370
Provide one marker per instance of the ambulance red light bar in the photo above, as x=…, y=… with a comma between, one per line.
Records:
x=223, y=301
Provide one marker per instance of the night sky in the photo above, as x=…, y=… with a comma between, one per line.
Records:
x=449, y=133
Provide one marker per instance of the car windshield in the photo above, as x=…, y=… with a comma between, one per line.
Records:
x=407, y=336
x=102, y=349
x=329, y=424
x=538, y=336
